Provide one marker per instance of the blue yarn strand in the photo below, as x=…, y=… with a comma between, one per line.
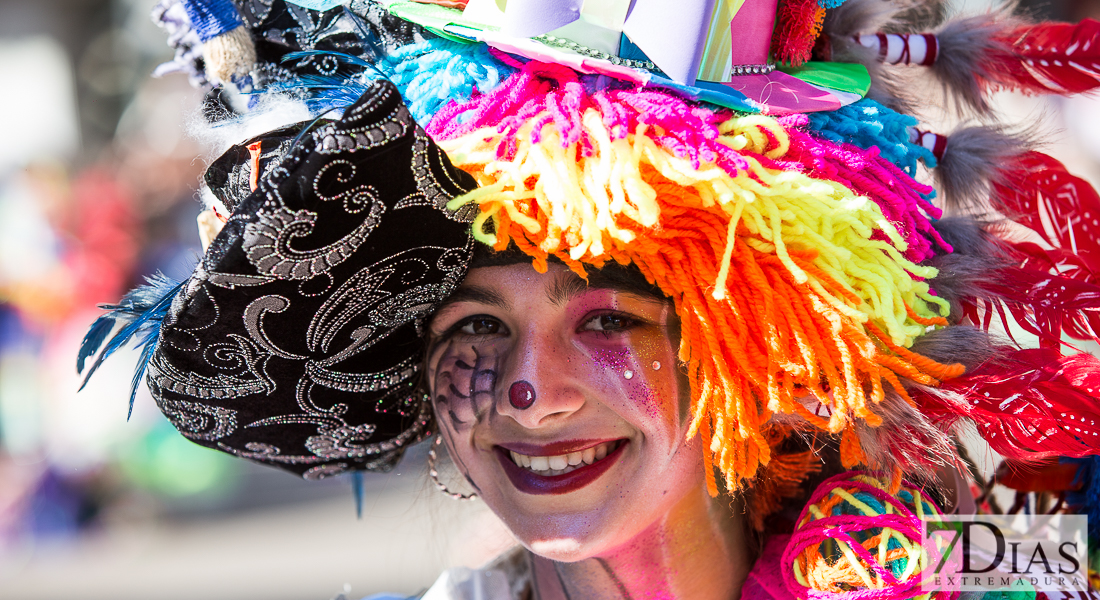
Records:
x=432, y=73
x=867, y=123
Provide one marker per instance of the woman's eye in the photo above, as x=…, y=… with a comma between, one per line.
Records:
x=481, y=326
x=609, y=323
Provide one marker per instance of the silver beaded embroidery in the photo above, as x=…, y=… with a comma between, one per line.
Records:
x=557, y=42
x=267, y=243
x=333, y=140
x=752, y=69
x=163, y=376
x=199, y=421
x=362, y=382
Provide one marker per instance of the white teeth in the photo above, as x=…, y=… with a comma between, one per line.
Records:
x=563, y=463
x=521, y=459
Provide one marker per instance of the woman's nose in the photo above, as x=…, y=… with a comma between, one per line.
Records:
x=541, y=387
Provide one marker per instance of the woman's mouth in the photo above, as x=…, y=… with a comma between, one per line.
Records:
x=561, y=464
x=551, y=474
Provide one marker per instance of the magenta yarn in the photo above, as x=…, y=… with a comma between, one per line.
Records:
x=558, y=95
x=811, y=532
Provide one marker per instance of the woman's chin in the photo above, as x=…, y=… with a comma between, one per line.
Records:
x=574, y=537
x=560, y=549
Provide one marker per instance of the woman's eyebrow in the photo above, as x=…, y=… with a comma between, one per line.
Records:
x=567, y=286
x=473, y=293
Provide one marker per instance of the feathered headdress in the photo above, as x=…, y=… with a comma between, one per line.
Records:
x=819, y=285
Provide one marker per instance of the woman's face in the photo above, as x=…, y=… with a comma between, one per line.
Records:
x=564, y=407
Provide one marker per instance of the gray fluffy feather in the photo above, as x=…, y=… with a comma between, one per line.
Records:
x=868, y=16
x=974, y=158
x=976, y=259
x=965, y=46
x=891, y=444
x=971, y=346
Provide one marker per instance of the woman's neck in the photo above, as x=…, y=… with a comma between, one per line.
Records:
x=698, y=551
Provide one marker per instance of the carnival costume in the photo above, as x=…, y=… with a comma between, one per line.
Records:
x=754, y=160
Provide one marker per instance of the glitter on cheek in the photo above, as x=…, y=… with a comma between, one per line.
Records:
x=613, y=360
x=627, y=386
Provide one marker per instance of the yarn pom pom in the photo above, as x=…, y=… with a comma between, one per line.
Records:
x=798, y=23
x=856, y=539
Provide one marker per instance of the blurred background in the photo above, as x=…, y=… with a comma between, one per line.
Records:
x=98, y=180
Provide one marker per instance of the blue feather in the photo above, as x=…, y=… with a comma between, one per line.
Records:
x=94, y=339
x=1087, y=497
x=429, y=75
x=328, y=92
x=143, y=311
x=355, y=60
x=357, y=489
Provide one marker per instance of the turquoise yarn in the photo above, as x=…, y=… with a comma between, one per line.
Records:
x=867, y=123
x=434, y=72
x=429, y=74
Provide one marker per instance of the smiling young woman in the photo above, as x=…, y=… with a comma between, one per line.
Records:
x=647, y=288
x=592, y=470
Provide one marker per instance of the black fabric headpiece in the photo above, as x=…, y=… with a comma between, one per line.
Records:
x=296, y=342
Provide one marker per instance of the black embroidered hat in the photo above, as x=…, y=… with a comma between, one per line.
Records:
x=296, y=341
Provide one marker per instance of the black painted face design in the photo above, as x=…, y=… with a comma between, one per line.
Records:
x=465, y=382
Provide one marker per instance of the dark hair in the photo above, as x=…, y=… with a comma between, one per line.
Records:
x=623, y=277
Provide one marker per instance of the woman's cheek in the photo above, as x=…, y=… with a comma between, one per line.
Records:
x=464, y=384
x=639, y=376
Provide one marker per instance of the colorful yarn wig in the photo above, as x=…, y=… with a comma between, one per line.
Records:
x=792, y=289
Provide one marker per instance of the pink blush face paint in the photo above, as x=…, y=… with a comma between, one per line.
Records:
x=638, y=371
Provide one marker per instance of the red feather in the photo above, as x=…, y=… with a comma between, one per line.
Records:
x=1036, y=404
x=1060, y=58
x=1043, y=304
x=1054, y=290
x=1040, y=194
x=1046, y=475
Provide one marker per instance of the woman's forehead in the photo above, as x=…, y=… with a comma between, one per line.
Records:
x=494, y=284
